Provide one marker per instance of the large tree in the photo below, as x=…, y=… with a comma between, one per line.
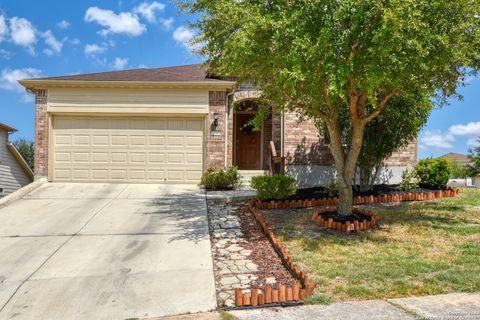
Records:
x=319, y=56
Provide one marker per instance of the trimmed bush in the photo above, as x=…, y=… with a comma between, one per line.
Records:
x=219, y=179
x=274, y=187
x=433, y=173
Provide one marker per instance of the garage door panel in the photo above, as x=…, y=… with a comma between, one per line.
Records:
x=100, y=140
x=141, y=150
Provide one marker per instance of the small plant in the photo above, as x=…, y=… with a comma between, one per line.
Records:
x=274, y=187
x=433, y=173
x=332, y=188
x=409, y=180
x=220, y=179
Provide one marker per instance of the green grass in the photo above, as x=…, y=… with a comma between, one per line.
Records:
x=419, y=248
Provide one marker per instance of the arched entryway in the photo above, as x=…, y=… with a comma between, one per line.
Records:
x=248, y=142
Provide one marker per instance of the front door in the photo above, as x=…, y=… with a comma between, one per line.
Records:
x=247, y=143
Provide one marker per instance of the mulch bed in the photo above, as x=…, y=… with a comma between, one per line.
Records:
x=342, y=218
x=263, y=254
x=377, y=190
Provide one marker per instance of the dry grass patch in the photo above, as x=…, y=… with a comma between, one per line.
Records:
x=419, y=248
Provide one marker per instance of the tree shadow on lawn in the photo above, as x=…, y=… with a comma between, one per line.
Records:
x=419, y=218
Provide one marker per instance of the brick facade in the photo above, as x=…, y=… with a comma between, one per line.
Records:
x=407, y=156
x=303, y=143
x=215, y=137
x=41, y=134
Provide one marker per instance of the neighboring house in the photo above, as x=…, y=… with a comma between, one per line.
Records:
x=168, y=125
x=14, y=171
x=458, y=157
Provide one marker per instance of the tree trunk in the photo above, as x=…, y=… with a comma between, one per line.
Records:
x=345, y=196
x=345, y=161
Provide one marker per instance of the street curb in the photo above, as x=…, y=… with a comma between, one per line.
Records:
x=22, y=192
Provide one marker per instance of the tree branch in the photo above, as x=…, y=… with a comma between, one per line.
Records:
x=381, y=105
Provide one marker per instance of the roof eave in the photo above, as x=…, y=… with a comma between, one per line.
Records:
x=33, y=84
x=7, y=128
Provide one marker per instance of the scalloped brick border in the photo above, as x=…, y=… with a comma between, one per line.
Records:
x=358, y=200
x=269, y=295
x=350, y=226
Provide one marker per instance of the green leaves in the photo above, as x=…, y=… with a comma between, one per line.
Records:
x=298, y=49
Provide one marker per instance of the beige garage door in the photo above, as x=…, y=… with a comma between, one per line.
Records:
x=120, y=149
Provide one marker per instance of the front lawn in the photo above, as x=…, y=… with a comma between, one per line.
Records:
x=418, y=248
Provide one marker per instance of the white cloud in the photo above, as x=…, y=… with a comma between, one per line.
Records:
x=167, y=23
x=469, y=129
x=3, y=28
x=147, y=10
x=9, y=80
x=437, y=139
x=64, y=24
x=120, y=63
x=183, y=35
x=54, y=46
x=23, y=33
x=94, y=49
x=75, y=41
x=124, y=22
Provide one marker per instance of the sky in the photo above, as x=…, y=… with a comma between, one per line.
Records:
x=48, y=38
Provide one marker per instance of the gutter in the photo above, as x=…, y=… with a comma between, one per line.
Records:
x=32, y=84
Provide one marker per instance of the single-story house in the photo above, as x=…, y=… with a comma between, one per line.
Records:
x=458, y=157
x=167, y=125
x=14, y=171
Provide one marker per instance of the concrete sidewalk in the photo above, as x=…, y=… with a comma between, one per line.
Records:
x=455, y=306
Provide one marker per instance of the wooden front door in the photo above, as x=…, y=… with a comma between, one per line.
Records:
x=247, y=144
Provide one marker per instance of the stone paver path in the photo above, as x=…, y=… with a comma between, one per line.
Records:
x=232, y=266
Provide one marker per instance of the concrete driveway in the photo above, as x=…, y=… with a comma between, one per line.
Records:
x=105, y=251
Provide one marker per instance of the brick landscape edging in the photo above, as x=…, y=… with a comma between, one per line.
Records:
x=347, y=226
x=358, y=200
x=269, y=295
x=281, y=294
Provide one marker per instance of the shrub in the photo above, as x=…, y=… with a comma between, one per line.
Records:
x=332, y=188
x=409, y=180
x=274, y=187
x=433, y=173
x=219, y=179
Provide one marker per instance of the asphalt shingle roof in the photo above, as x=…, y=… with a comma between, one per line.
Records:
x=186, y=73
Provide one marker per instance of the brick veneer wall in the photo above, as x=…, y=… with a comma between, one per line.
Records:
x=41, y=134
x=303, y=144
x=215, y=138
x=405, y=157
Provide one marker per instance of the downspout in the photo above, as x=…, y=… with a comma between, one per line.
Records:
x=226, y=126
x=282, y=131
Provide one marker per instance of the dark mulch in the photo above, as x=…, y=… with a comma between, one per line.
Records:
x=343, y=218
x=263, y=254
x=377, y=190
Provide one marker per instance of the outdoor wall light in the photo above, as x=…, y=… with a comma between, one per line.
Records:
x=215, y=120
